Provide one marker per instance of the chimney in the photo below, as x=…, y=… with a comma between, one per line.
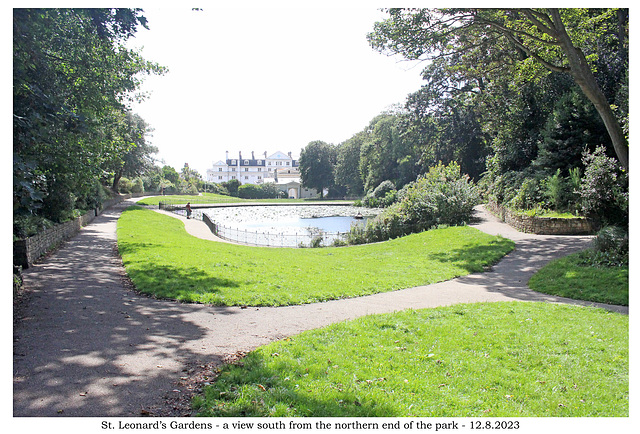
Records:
x=239, y=155
x=226, y=156
x=265, y=154
x=289, y=154
x=253, y=157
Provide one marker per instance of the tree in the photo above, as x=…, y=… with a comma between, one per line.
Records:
x=138, y=157
x=71, y=75
x=171, y=175
x=447, y=129
x=388, y=151
x=573, y=127
x=316, y=161
x=527, y=40
x=347, y=170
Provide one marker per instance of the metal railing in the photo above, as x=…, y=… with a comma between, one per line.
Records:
x=313, y=237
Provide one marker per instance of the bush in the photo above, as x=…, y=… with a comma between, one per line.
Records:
x=137, y=185
x=27, y=226
x=384, y=188
x=528, y=196
x=610, y=247
x=249, y=191
x=232, y=186
x=604, y=190
x=262, y=191
x=125, y=185
x=441, y=197
x=17, y=278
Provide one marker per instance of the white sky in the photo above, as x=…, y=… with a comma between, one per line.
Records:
x=263, y=79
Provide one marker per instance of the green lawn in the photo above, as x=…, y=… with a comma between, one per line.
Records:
x=163, y=260
x=181, y=198
x=207, y=198
x=488, y=359
x=566, y=277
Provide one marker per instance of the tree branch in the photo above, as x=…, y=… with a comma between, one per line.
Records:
x=533, y=16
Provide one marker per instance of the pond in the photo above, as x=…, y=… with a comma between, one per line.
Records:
x=287, y=226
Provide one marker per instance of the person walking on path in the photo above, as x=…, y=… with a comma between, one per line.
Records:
x=85, y=344
x=188, y=207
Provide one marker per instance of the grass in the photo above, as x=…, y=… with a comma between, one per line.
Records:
x=568, y=277
x=207, y=198
x=544, y=213
x=163, y=260
x=181, y=198
x=511, y=359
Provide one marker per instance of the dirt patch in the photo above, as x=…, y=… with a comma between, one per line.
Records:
x=195, y=377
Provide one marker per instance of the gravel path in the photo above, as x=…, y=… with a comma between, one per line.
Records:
x=85, y=344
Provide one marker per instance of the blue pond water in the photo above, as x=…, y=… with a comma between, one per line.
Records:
x=286, y=226
x=326, y=224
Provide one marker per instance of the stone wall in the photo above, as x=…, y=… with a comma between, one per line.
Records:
x=542, y=225
x=29, y=250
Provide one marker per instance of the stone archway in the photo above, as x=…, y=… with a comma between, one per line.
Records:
x=292, y=193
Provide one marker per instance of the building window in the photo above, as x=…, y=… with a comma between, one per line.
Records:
x=219, y=169
x=233, y=177
x=259, y=169
x=287, y=163
x=233, y=161
x=246, y=169
x=246, y=162
x=246, y=177
x=260, y=162
x=219, y=177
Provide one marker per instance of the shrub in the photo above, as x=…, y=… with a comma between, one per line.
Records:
x=26, y=226
x=611, y=247
x=262, y=191
x=125, y=185
x=232, y=186
x=441, y=197
x=17, y=278
x=249, y=191
x=384, y=188
x=528, y=196
x=137, y=185
x=604, y=191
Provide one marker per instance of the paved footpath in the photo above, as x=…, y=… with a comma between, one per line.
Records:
x=87, y=345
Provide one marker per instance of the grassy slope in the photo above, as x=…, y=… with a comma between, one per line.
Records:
x=162, y=259
x=565, y=277
x=493, y=359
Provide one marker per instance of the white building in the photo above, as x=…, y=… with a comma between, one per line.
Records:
x=251, y=170
x=279, y=168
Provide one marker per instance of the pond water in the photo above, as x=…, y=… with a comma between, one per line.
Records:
x=287, y=226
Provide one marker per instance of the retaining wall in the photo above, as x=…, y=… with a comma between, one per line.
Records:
x=542, y=225
x=29, y=250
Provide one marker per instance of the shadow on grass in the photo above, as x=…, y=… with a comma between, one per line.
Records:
x=474, y=258
x=178, y=283
x=568, y=278
x=255, y=388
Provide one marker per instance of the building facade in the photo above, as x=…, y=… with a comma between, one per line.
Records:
x=279, y=168
x=251, y=170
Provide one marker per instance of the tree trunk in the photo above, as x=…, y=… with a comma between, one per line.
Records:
x=582, y=74
x=116, y=181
